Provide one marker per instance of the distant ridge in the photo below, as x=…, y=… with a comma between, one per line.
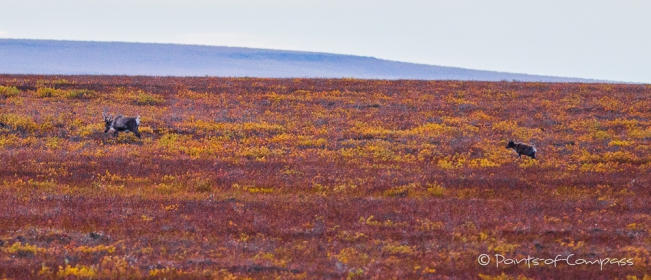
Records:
x=22, y=56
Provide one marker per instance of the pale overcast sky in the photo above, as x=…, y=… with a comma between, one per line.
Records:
x=595, y=39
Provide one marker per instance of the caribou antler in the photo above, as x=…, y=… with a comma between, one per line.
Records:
x=109, y=118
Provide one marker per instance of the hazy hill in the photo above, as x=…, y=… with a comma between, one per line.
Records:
x=19, y=56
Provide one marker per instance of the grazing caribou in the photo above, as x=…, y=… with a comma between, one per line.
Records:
x=522, y=149
x=120, y=123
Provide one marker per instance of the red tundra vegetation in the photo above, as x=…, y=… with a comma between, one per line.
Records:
x=322, y=178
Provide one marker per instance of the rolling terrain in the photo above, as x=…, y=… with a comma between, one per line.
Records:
x=118, y=58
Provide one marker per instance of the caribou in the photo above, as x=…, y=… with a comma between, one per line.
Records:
x=121, y=123
x=522, y=149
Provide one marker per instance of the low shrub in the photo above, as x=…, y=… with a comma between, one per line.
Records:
x=9, y=91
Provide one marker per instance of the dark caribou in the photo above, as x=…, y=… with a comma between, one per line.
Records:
x=121, y=123
x=522, y=149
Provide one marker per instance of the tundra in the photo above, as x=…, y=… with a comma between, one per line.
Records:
x=121, y=123
x=522, y=149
